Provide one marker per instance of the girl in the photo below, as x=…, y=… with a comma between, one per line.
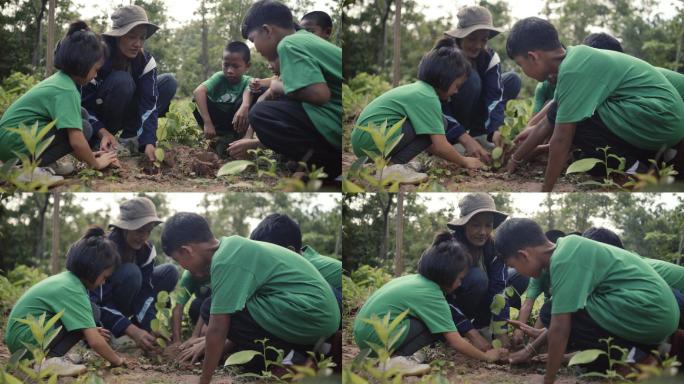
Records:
x=78, y=57
x=440, y=271
x=127, y=94
x=90, y=261
x=127, y=297
x=440, y=74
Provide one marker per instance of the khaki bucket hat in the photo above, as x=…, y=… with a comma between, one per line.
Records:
x=126, y=18
x=136, y=213
x=471, y=19
x=475, y=203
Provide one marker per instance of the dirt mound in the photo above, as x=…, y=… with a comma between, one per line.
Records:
x=183, y=161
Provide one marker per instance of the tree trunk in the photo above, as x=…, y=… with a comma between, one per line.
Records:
x=54, y=253
x=204, y=57
x=50, y=58
x=399, y=236
x=386, y=207
x=383, y=33
x=396, y=62
x=338, y=241
x=39, y=32
x=42, y=201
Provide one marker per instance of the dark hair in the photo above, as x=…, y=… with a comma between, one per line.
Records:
x=603, y=235
x=531, y=34
x=603, y=41
x=92, y=254
x=515, y=234
x=279, y=229
x=184, y=228
x=319, y=18
x=79, y=50
x=240, y=48
x=554, y=234
x=443, y=64
x=444, y=260
x=266, y=12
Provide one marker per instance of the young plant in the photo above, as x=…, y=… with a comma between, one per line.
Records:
x=498, y=328
x=586, y=164
x=518, y=113
x=314, y=181
x=161, y=325
x=35, y=142
x=43, y=334
x=263, y=163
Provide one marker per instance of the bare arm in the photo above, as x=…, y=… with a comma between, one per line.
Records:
x=82, y=150
x=540, y=115
x=558, y=334
x=317, y=94
x=100, y=345
x=525, y=310
x=197, y=331
x=215, y=341
x=559, y=149
x=478, y=340
x=462, y=345
x=200, y=94
x=441, y=147
x=176, y=319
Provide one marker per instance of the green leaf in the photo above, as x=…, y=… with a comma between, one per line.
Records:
x=53, y=320
x=497, y=153
x=586, y=356
x=499, y=327
x=349, y=187
x=583, y=165
x=9, y=379
x=154, y=325
x=498, y=303
x=234, y=167
x=241, y=357
x=161, y=342
x=510, y=291
x=159, y=154
x=496, y=343
x=163, y=297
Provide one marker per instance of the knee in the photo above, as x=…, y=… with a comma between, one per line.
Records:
x=87, y=128
x=257, y=115
x=129, y=275
x=168, y=85
x=512, y=84
x=96, y=312
x=169, y=275
x=121, y=83
x=205, y=310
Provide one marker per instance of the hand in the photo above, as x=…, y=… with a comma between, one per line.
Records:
x=474, y=149
x=194, y=353
x=496, y=139
x=523, y=135
x=238, y=148
x=241, y=120
x=472, y=163
x=511, y=166
x=122, y=363
x=209, y=130
x=528, y=330
x=105, y=159
x=108, y=141
x=518, y=337
x=255, y=85
x=496, y=354
x=149, y=152
x=277, y=87
x=104, y=332
x=144, y=339
x=522, y=356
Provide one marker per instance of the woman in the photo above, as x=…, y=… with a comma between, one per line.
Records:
x=127, y=298
x=478, y=107
x=127, y=94
x=487, y=275
x=440, y=271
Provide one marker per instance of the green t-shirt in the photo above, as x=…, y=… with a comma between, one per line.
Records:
x=673, y=274
x=422, y=297
x=306, y=59
x=542, y=94
x=330, y=269
x=55, y=98
x=418, y=102
x=619, y=290
x=189, y=285
x=283, y=292
x=675, y=78
x=63, y=291
x=633, y=99
x=539, y=285
x=225, y=95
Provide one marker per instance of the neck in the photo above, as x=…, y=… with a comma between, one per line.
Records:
x=556, y=57
x=547, y=252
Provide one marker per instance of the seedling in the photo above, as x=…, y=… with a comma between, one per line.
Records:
x=497, y=307
x=263, y=163
x=518, y=113
x=162, y=323
x=35, y=142
x=586, y=164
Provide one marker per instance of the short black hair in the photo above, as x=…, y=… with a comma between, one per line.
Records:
x=79, y=50
x=279, y=229
x=603, y=41
x=184, y=228
x=531, y=34
x=603, y=235
x=266, y=12
x=444, y=260
x=92, y=254
x=515, y=234
x=240, y=48
x=319, y=18
x=443, y=64
x=554, y=234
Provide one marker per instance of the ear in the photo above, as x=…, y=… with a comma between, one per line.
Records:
x=533, y=56
x=267, y=29
x=291, y=248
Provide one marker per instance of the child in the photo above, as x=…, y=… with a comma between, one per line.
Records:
x=259, y=290
x=440, y=73
x=626, y=104
x=90, y=261
x=599, y=291
x=440, y=271
x=319, y=23
x=78, y=57
x=188, y=286
x=307, y=125
x=223, y=100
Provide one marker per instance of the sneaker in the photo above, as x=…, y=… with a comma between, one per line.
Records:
x=402, y=173
x=127, y=146
x=407, y=366
x=123, y=343
x=45, y=176
x=62, y=167
x=61, y=367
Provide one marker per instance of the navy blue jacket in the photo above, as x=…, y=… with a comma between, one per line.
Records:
x=144, y=72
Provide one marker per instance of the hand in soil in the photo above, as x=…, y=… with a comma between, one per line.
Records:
x=149, y=152
x=497, y=354
x=523, y=135
x=188, y=343
x=518, y=337
x=511, y=166
x=108, y=142
x=104, y=159
x=209, y=131
x=240, y=120
x=145, y=340
x=473, y=163
x=238, y=148
x=528, y=330
x=104, y=332
x=522, y=356
x=194, y=353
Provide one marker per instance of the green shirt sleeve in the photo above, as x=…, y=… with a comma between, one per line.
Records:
x=67, y=111
x=235, y=285
x=540, y=96
x=572, y=276
x=213, y=82
x=298, y=68
x=183, y=290
x=435, y=313
x=533, y=289
x=78, y=312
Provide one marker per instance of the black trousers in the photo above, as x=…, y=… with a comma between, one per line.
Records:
x=60, y=147
x=65, y=340
x=418, y=336
x=223, y=121
x=283, y=126
x=410, y=145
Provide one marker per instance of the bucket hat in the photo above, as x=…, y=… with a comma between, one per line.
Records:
x=136, y=213
x=475, y=203
x=126, y=18
x=471, y=19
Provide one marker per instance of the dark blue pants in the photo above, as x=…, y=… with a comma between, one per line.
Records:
x=468, y=107
x=472, y=300
x=519, y=283
x=65, y=340
x=196, y=305
x=60, y=146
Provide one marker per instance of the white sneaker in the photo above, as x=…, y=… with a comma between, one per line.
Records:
x=62, y=167
x=402, y=173
x=61, y=367
x=127, y=147
x=407, y=366
x=45, y=176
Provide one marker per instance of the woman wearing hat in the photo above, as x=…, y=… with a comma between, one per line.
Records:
x=127, y=95
x=478, y=107
x=487, y=274
x=126, y=299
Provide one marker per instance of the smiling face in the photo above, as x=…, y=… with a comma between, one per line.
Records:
x=265, y=41
x=131, y=44
x=234, y=66
x=137, y=238
x=473, y=44
x=479, y=228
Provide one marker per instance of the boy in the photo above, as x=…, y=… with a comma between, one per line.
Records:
x=190, y=285
x=259, y=290
x=602, y=98
x=599, y=291
x=319, y=23
x=307, y=125
x=223, y=100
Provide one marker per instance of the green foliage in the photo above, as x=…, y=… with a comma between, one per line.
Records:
x=35, y=143
x=357, y=288
x=263, y=163
x=13, y=87
x=359, y=91
x=517, y=114
x=161, y=325
x=17, y=281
